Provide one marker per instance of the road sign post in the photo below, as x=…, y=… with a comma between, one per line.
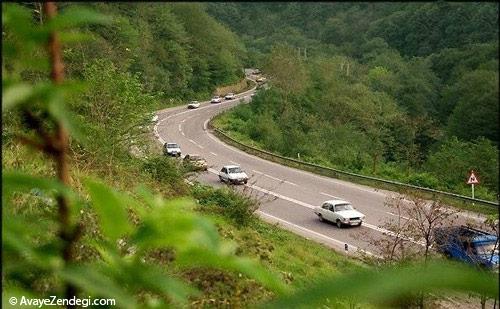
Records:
x=472, y=180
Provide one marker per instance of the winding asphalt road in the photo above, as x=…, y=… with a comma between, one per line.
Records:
x=287, y=194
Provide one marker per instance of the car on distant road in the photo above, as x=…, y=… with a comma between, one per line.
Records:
x=171, y=149
x=339, y=212
x=216, y=99
x=467, y=244
x=196, y=161
x=193, y=104
x=256, y=72
x=230, y=96
x=260, y=79
x=233, y=174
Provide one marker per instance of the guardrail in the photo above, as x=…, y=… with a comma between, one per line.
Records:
x=337, y=172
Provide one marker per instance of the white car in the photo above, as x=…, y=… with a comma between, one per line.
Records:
x=171, y=149
x=260, y=79
x=339, y=212
x=230, y=96
x=216, y=99
x=233, y=174
x=194, y=104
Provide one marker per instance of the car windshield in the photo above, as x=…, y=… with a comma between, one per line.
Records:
x=234, y=170
x=172, y=146
x=216, y=97
x=341, y=207
x=487, y=248
x=194, y=102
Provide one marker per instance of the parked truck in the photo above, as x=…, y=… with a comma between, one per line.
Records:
x=469, y=245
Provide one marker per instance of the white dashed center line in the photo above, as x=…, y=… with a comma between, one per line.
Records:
x=329, y=195
x=272, y=177
x=213, y=153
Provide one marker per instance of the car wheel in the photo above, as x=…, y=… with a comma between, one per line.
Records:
x=339, y=224
x=245, y=182
x=321, y=218
x=221, y=179
x=360, y=223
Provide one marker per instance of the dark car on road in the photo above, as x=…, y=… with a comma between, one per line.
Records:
x=468, y=244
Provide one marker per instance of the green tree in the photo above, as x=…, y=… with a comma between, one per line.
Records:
x=476, y=110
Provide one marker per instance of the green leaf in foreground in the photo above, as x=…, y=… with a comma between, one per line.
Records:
x=110, y=209
x=378, y=286
x=89, y=279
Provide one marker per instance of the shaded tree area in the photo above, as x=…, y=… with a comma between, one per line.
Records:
x=174, y=48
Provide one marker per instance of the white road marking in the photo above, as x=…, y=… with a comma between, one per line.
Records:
x=205, y=124
x=213, y=153
x=390, y=213
x=272, y=177
x=200, y=146
x=184, y=120
x=269, y=176
x=234, y=162
x=193, y=142
x=329, y=195
x=180, y=127
x=183, y=134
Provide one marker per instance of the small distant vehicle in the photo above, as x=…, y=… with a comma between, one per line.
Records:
x=260, y=79
x=256, y=72
x=216, y=99
x=469, y=245
x=339, y=212
x=233, y=174
x=171, y=149
x=196, y=161
x=193, y=104
x=230, y=96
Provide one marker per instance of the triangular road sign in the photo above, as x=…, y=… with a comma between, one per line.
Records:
x=472, y=179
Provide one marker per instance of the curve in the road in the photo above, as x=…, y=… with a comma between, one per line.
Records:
x=294, y=191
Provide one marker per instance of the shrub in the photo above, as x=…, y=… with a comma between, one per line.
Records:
x=425, y=180
x=164, y=169
x=231, y=204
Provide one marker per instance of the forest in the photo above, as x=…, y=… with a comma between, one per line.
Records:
x=402, y=91
x=91, y=209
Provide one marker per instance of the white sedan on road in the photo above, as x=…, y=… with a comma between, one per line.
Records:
x=233, y=174
x=194, y=104
x=216, y=99
x=339, y=212
x=230, y=96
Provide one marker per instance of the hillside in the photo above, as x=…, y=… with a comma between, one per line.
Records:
x=405, y=91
